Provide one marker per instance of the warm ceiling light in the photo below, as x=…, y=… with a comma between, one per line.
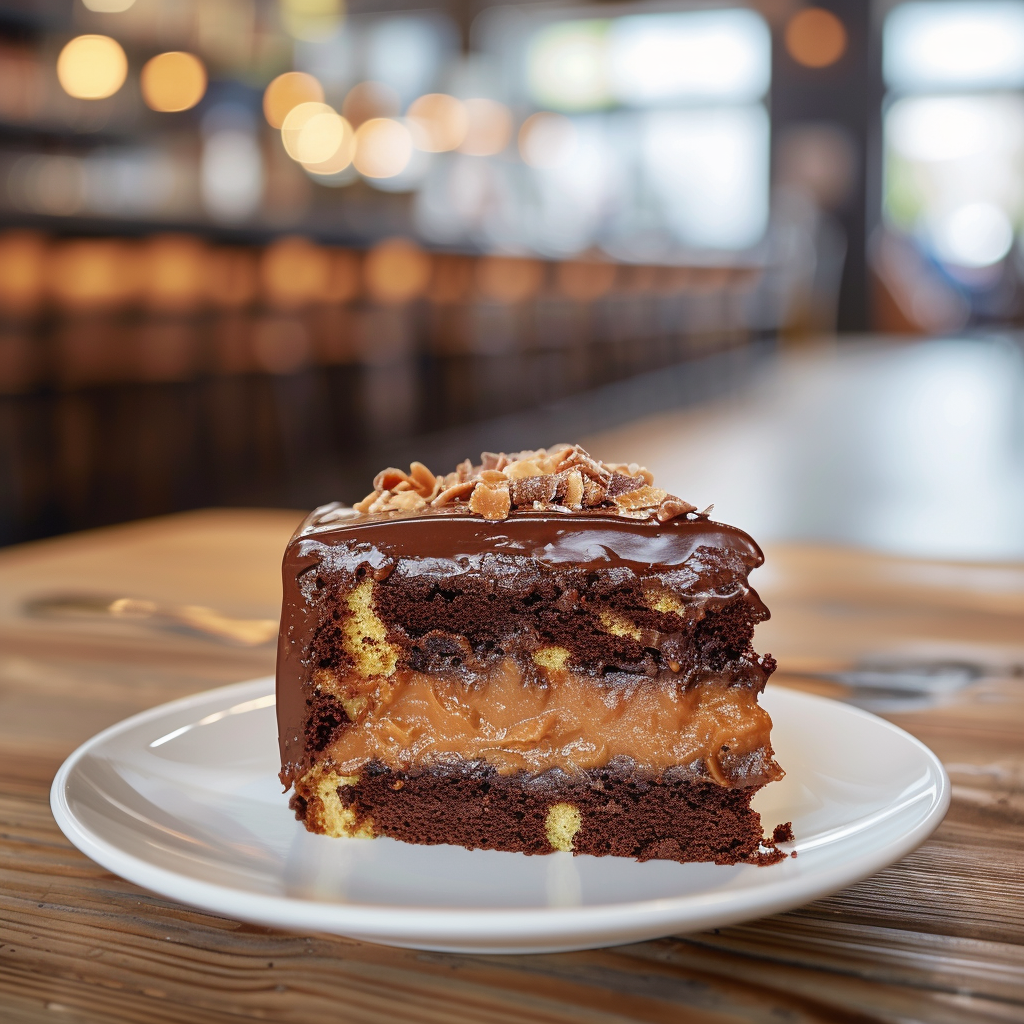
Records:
x=396, y=271
x=383, y=148
x=92, y=67
x=90, y=273
x=313, y=132
x=311, y=20
x=286, y=92
x=509, y=278
x=295, y=272
x=442, y=122
x=107, y=6
x=489, y=129
x=367, y=100
x=546, y=139
x=342, y=156
x=22, y=266
x=172, y=271
x=815, y=37
x=173, y=81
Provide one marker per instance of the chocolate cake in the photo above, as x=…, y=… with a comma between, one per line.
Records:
x=540, y=652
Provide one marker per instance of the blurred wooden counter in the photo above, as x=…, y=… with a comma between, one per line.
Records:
x=938, y=937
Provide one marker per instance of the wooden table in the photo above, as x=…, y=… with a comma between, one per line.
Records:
x=938, y=937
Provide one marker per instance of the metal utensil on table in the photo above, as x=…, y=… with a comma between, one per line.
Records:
x=897, y=685
x=189, y=618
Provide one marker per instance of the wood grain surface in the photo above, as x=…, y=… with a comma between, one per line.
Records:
x=938, y=937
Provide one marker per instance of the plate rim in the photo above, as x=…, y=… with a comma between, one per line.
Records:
x=480, y=929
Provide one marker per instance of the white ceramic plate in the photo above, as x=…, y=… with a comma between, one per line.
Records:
x=184, y=800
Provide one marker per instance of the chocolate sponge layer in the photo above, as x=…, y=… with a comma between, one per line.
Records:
x=464, y=619
x=621, y=813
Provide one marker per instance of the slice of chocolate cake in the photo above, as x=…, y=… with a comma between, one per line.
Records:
x=542, y=652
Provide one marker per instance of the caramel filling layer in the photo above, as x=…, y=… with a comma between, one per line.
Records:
x=573, y=722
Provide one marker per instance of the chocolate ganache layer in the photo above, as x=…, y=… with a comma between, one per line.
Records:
x=638, y=609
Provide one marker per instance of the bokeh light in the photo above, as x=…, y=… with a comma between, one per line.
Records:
x=107, y=6
x=22, y=262
x=173, y=81
x=442, y=122
x=489, y=127
x=815, y=37
x=313, y=132
x=92, y=273
x=509, y=278
x=383, y=148
x=231, y=172
x=286, y=92
x=172, y=272
x=974, y=235
x=546, y=139
x=396, y=271
x=342, y=156
x=311, y=20
x=567, y=64
x=368, y=100
x=92, y=67
x=294, y=272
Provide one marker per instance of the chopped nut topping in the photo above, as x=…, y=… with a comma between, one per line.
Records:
x=593, y=493
x=492, y=476
x=530, y=489
x=421, y=478
x=490, y=502
x=565, y=478
x=621, y=484
x=407, y=500
x=386, y=479
x=641, y=497
x=632, y=469
x=454, y=491
x=574, y=488
x=524, y=468
x=671, y=508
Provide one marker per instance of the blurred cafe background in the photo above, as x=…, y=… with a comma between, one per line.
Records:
x=253, y=250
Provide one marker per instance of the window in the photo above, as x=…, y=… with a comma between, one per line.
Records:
x=954, y=128
x=648, y=136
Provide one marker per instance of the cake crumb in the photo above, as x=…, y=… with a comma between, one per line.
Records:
x=783, y=833
x=769, y=853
